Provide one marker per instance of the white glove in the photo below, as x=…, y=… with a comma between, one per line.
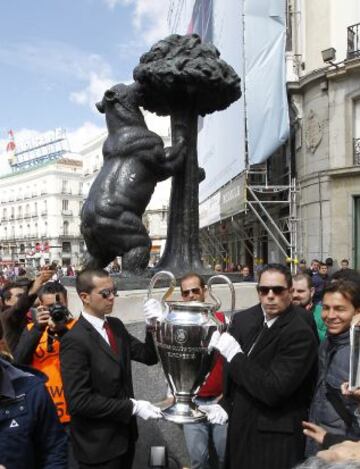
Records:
x=145, y=410
x=228, y=346
x=214, y=340
x=152, y=310
x=215, y=413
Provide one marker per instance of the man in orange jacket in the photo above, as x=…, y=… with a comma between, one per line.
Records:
x=39, y=344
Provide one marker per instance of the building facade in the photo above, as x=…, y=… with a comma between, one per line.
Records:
x=40, y=209
x=41, y=202
x=304, y=202
x=324, y=94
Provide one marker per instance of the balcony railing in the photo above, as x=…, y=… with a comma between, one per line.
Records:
x=356, y=151
x=353, y=41
x=67, y=213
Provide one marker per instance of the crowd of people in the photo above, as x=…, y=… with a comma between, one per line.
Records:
x=277, y=396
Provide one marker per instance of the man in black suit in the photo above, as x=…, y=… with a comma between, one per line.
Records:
x=96, y=359
x=271, y=354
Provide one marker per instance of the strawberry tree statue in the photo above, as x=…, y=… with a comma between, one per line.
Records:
x=182, y=77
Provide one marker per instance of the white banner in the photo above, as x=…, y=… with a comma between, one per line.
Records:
x=221, y=138
x=266, y=100
x=221, y=147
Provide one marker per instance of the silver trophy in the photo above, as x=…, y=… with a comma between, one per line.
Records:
x=354, y=378
x=181, y=338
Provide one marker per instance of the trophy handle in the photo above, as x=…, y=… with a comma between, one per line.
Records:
x=158, y=276
x=216, y=299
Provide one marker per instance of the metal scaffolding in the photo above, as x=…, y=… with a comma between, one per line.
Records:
x=272, y=207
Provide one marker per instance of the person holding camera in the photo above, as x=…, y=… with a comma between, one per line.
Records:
x=18, y=298
x=39, y=344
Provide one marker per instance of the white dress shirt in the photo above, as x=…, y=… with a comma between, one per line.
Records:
x=98, y=325
x=269, y=322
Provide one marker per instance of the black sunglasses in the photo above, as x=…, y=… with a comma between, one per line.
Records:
x=277, y=289
x=107, y=292
x=195, y=291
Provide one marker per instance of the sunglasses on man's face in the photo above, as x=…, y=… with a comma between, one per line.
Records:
x=194, y=291
x=107, y=292
x=277, y=289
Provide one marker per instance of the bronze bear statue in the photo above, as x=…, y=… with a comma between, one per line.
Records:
x=134, y=161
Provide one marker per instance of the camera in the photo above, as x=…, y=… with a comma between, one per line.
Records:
x=58, y=312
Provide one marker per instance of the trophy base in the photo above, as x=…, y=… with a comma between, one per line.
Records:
x=183, y=413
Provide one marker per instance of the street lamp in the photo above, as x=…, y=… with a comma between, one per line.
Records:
x=329, y=55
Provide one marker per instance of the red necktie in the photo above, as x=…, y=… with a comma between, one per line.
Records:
x=111, y=337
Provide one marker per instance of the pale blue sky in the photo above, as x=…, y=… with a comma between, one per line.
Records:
x=57, y=57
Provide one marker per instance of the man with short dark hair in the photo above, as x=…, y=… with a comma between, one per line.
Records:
x=96, y=370
x=330, y=265
x=320, y=280
x=39, y=344
x=314, y=267
x=303, y=292
x=18, y=298
x=245, y=274
x=271, y=369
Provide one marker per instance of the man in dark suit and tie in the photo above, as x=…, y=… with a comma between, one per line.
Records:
x=271, y=354
x=96, y=370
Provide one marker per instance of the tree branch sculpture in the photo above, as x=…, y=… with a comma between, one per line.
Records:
x=184, y=78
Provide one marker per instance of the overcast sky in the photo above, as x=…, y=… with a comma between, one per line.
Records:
x=57, y=57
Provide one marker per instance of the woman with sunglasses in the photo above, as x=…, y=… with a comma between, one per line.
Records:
x=330, y=409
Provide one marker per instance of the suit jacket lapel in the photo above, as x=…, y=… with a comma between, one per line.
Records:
x=98, y=339
x=248, y=334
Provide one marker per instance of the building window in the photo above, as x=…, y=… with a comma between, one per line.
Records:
x=81, y=185
x=356, y=233
x=356, y=141
x=65, y=204
x=20, y=211
x=64, y=187
x=44, y=210
x=66, y=246
x=66, y=227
